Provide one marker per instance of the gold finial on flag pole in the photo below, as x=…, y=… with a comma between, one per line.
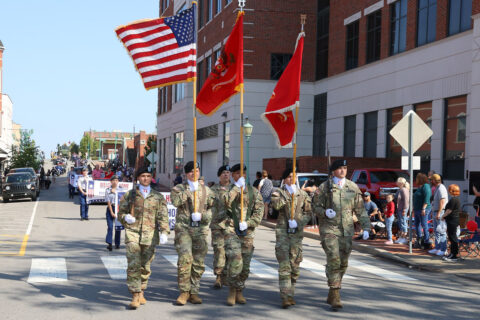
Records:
x=303, y=18
x=241, y=4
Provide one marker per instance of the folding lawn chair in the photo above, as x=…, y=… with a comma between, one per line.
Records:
x=470, y=240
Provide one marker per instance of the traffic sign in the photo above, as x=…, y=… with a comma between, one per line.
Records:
x=416, y=163
x=421, y=132
x=151, y=157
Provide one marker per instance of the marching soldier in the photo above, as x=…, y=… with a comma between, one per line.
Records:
x=239, y=234
x=191, y=231
x=334, y=204
x=142, y=229
x=218, y=223
x=289, y=234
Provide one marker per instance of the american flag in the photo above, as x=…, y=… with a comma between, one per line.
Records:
x=163, y=50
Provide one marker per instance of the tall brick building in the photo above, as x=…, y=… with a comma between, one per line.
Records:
x=366, y=63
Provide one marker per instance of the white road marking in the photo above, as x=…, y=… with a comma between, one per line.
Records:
x=318, y=269
x=48, y=270
x=261, y=270
x=116, y=266
x=29, y=229
x=386, y=274
x=173, y=260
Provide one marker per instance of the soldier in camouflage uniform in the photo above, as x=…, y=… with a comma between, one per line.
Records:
x=289, y=234
x=334, y=204
x=142, y=229
x=239, y=234
x=218, y=223
x=191, y=231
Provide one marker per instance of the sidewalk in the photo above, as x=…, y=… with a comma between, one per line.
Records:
x=468, y=268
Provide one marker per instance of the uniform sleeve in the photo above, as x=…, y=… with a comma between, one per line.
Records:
x=207, y=214
x=258, y=210
x=277, y=201
x=307, y=209
x=230, y=196
x=123, y=208
x=162, y=216
x=320, y=202
x=179, y=196
x=360, y=211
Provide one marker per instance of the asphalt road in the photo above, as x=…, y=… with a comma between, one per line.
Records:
x=65, y=272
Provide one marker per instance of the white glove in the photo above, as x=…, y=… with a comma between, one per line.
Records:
x=196, y=216
x=240, y=182
x=193, y=185
x=366, y=235
x=292, y=188
x=163, y=238
x=243, y=226
x=330, y=213
x=130, y=219
x=292, y=224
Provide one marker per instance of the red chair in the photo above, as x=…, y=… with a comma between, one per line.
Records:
x=470, y=241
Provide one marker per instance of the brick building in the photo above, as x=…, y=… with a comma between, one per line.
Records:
x=366, y=63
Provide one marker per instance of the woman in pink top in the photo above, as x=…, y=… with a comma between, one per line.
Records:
x=389, y=217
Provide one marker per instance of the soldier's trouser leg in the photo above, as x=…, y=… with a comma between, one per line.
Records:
x=337, y=250
x=247, y=254
x=139, y=258
x=183, y=245
x=233, y=250
x=218, y=244
x=199, y=251
x=288, y=250
x=147, y=255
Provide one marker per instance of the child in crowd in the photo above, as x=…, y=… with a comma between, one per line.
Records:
x=389, y=217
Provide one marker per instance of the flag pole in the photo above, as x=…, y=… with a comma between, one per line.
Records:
x=194, y=105
x=241, y=4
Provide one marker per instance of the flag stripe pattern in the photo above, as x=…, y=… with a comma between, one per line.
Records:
x=163, y=50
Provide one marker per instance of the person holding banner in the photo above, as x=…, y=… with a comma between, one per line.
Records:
x=289, y=234
x=144, y=216
x=110, y=195
x=82, y=184
x=240, y=233
x=191, y=231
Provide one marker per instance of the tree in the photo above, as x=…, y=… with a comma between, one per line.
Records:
x=86, y=142
x=74, y=148
x=27, y=154
x=150, y=146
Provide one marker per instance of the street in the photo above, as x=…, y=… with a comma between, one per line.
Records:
x=67, y=273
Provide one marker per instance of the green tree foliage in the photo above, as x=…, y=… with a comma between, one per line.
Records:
x=150, y=146
x=27, y=154
x=74, y=148
x=86, y=142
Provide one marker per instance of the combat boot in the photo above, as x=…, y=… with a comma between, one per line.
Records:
x=218, y=282
x=195, y=299
x=286, y=303
x=239, y=297
x=335, y=302
x=292, y=301
x=135, y=301
x=182, y=298
x=231, y=296
x=330, y=296
x=141, y=298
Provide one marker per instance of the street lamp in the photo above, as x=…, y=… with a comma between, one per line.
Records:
x=247, y=131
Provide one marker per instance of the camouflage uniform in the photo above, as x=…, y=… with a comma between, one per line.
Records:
x=218, y=228
x=288, y=247
x=142, y=236
x=191, y=242
x=336, y=233
x=239, y=249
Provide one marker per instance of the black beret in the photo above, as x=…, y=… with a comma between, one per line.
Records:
x=236, y=168
x=286, y=172
x=337, y=164
x=143, y=170
x=223, y=168
x=114, y=177
x=189, y=167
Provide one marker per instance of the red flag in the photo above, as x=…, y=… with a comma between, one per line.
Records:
x=226, y=77
x=285, y=98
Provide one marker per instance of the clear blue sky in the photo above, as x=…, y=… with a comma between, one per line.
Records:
x=66, y=71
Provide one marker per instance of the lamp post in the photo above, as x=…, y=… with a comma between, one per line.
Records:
x=116, y=136
x=247, y=130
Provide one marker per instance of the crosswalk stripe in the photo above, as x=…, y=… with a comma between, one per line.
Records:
x=48, y=270
x=318, y=269
x=261, y=270
x=173, y=260
x=116, y=266
x=386, y=274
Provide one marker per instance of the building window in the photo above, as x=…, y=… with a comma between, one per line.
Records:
x=427, y=21
x=200, y=13
x=454, y=138
x=200, y=75
x=349, y=133
x=179, y=92
x=217, y=54
x=394, y=150
x=323, y=21
x=182, y=8
x=370, y=134
x=424, y=111
x=226, y=143
x=459, y=17
x=209, y=66
x=209, y=10
x=374, y=30
x=218, y=7
x=178, y=156
x=279, y=62
x=352, y=46
x=227, y=1
x=398, y=27
x=319, y=124
x=207, y=132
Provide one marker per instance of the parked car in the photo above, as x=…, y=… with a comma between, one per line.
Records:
x=19, y=185
x=34, y=175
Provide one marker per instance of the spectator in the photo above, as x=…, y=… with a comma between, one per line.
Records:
x=429, y=175
x=389, y=217
x=403, y=203
x=266, y=187
x=451, y=217
x=119, y=173
x=109, y=174
x=178, y=179
x=440, y=199
x=421, y=209
x=476, y=202
x=110, y=195
x=377, y=221
x=309, y=187
x=71, y=188
x=257, y=181
x=97, y=173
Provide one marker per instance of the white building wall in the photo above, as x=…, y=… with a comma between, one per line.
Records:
x=6, y=137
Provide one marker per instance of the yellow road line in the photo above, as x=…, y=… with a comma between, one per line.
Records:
x=24, y=245
x=6, y=253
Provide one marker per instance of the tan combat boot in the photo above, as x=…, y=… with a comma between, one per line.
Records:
x=239, y=298
x=292, y=301
x=218, y=282
x=141, y=298
x=231, y=296
x=182, y=298
x=330, y=296
x=135, y=301
x=286, y=303
x=195, y=299
x=336, y=303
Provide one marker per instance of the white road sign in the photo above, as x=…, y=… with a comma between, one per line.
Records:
x=416, y=163
x=421, y=131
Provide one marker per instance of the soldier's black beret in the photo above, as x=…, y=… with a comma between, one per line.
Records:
x=236, y=168
x=287, y=172
x=142, y=170
x=337, y=164
x=223, y=168
x=189, y=167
